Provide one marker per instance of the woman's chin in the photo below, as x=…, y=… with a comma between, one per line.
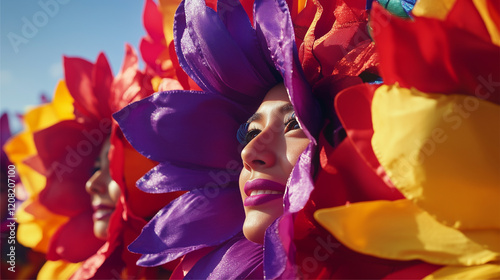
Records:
x=257, y=222
x=101, y=229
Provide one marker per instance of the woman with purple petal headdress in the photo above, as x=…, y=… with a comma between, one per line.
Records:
x=239, y=221
x=192, y=135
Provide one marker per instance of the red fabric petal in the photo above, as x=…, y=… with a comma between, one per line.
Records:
x=465, y=16
x=130, y=84
x=150, y=51
x=358, y=125
x=78, y=77
x=433, y=56
x=102, y=77
x=334, y=30
x=153, y=21
x=75, y=241
x=68, y=152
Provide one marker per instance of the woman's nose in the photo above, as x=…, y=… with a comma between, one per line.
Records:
x=260, y=153
x=96, y=184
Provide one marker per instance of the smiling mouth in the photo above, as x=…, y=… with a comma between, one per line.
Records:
x=260, y=191
x=102, y=212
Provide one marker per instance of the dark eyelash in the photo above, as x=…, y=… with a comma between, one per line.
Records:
x=96, y=167
x=242, y=133
x=290, y=120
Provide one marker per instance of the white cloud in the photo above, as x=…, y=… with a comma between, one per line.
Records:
x=56, y=70
x=6, y=77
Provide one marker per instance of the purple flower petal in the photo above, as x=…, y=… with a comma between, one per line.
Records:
x=239, y=27
x=209, y=52
x=237, y=258
x=274, y=25
x=190, y=222
x=168, y=177
x=179, y=126
x=300, y=184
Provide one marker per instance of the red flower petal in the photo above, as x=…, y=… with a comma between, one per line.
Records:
x=434, y=56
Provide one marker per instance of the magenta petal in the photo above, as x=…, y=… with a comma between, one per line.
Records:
x=178, y=126
x=190, y=222
x=237, y=258
x=168, y=177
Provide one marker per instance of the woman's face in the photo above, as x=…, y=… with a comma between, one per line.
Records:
x=104, y=193
x=274, y=143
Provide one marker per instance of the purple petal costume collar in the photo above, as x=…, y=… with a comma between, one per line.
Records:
x=193, y=134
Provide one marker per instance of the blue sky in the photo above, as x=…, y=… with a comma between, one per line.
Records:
x=35, y=34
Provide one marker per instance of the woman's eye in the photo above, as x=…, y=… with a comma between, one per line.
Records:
x=96, y=167
x=245, y=135
x=292, y=124
x=251, y=135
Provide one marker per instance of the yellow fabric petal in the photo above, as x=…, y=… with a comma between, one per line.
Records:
x=37, y=224
x=30, y=235
x=399, y=230
x=19, y=147
x=442, y=152
x=33, y=181
x=57, y=270
x=433, y=8
x=486, y=271
x=43, y=116
x=168, y=8
x=155, y=82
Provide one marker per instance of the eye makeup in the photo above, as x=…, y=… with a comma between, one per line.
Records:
x=245, y=134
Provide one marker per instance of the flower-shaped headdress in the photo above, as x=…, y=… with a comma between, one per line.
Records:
x=192, y=135
x=67, y=162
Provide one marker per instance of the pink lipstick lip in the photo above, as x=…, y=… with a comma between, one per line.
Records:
x=259, y=199
x=102, y=211
x=102, y=207
x=263, y=184
x=101, y=215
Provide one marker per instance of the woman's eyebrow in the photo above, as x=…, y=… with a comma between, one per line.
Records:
x=255, y=117
x=287, y=108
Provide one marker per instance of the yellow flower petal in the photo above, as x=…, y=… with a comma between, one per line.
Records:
x=19, y=147
x=57, y=270
x=442, y=152
x=30, y=235
x=486, y=271
x=399, y=230
x=433, y=8
x=43, y=116
x=168, y=8
x=37, y=225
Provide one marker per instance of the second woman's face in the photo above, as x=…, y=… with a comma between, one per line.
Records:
x=104, y=193
x=274, y=142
